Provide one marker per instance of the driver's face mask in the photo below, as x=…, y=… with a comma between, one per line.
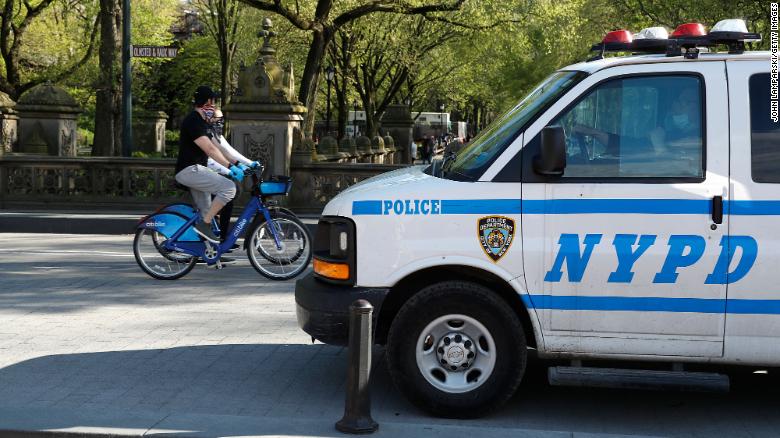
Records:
x=680, y=120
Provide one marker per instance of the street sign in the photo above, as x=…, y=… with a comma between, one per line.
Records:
x=154, y=52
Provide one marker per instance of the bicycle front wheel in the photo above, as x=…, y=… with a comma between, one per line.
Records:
x=287, y=260
x=162, y=266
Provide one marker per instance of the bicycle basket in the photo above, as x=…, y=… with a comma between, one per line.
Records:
x=276, y=185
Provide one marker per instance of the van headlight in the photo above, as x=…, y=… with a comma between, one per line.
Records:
x=334, y=250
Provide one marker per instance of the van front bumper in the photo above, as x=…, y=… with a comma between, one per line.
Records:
x=323, y=309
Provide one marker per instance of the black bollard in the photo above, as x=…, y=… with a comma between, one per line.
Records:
x=357, y=409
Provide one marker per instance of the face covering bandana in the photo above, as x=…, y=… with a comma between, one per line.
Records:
x=218, y=125
x=208, y=111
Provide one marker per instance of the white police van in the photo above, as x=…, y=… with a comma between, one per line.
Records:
x=627, y=208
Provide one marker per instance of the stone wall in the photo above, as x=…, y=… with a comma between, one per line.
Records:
x=122, y=184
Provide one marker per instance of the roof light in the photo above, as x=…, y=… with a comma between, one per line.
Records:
x=618, y=36
x=730, y=25
x=652, y=33
x=689, y=30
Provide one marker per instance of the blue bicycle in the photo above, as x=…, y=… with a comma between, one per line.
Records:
x=277, y=243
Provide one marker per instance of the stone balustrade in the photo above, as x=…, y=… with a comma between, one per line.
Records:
x=123, y=184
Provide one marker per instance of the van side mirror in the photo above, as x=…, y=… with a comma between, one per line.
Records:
x=552, y=157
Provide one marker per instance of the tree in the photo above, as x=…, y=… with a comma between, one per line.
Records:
x=388, y=55
x=108, y=121
x=222, y=19
x=16, y=18
x=323, y=27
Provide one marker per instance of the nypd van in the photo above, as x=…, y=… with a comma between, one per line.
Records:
x=627, y=209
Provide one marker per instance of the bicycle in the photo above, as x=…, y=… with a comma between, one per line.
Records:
x=278, y=244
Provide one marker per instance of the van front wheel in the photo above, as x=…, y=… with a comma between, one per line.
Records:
x=456, y=349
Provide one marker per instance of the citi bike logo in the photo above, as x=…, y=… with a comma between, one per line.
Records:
x=239, y=227
x=155, y=224
x=684, y=251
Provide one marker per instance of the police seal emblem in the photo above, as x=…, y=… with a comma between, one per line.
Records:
x=495, y=234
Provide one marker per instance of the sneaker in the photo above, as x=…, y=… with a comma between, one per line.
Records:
x=224, y=260
x=204, y=230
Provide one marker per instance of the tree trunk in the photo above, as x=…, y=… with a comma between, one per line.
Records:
x=311, y=77
x=108, y=124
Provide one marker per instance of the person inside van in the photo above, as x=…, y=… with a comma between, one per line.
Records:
x=681, y=128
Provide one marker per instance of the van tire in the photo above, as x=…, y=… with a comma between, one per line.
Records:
x=473, y=301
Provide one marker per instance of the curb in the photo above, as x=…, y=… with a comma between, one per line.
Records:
x=83, y=223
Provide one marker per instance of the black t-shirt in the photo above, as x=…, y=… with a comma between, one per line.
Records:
x=193, y=126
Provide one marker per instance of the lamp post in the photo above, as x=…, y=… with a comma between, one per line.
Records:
x=441, y=118
x=127, y=99
x=329, y=73
x=354, y=118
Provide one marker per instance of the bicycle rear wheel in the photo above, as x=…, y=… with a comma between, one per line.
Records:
x=279, y=263
x=150, y=257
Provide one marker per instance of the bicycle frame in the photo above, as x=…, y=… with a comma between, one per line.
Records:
x=210, y=252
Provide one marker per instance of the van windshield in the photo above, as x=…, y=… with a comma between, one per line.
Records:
x=471, y=162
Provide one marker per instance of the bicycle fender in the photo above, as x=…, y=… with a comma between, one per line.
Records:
x=185, y=210
x=167, y=224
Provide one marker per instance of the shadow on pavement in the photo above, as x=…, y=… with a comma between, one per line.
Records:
x=259, y=389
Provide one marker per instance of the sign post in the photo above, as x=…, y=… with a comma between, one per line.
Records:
x=127, y=81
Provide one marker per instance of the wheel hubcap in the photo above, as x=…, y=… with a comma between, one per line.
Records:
x=455, y=353
x=456, y=350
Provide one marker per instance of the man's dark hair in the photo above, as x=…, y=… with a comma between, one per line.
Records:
x=202, y=95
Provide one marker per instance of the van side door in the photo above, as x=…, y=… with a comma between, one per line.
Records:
x=753, y=289
x=621, y=250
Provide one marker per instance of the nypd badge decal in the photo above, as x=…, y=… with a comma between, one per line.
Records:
x=495, y=234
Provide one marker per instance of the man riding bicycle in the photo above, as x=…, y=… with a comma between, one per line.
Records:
x=195, y=148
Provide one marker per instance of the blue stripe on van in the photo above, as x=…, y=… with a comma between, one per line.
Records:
x=632, y=206
x=481, y=206
x=585, y=206
x=653, y=304
x=366, y=208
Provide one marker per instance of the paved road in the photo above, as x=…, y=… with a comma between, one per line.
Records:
x=90, y=343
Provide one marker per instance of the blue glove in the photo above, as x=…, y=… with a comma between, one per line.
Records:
x=236, y=173
x=254, y=164
x=243, y=167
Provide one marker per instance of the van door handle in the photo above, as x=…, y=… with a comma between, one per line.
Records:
x=717, y=209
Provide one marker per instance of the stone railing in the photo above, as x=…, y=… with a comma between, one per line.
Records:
x=74, y=183
x=316, y=184
x=132, y=184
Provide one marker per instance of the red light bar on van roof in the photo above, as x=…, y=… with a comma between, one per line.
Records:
x=618, y=36
x=689, y=30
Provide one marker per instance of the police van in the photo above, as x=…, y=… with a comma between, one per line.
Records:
x=628, y=209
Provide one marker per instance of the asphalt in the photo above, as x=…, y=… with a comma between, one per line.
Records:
x=84, y=222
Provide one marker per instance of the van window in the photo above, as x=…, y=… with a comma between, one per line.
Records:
x=637, y=127
x=476, y=158
x=764, y=133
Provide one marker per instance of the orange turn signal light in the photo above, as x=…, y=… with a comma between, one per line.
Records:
x=336, y=271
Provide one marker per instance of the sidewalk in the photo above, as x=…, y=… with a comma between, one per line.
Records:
x=84, y=222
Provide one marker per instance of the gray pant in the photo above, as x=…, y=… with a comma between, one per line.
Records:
x=204, y=182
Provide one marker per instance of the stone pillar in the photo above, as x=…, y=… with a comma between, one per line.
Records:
x=47, y=122
x=378, y=149
x=263, y=117
x=364, y=149
x=149, y=131
x=9, y=124
x=348, y=147
x=391, y=150
x=397, y=122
